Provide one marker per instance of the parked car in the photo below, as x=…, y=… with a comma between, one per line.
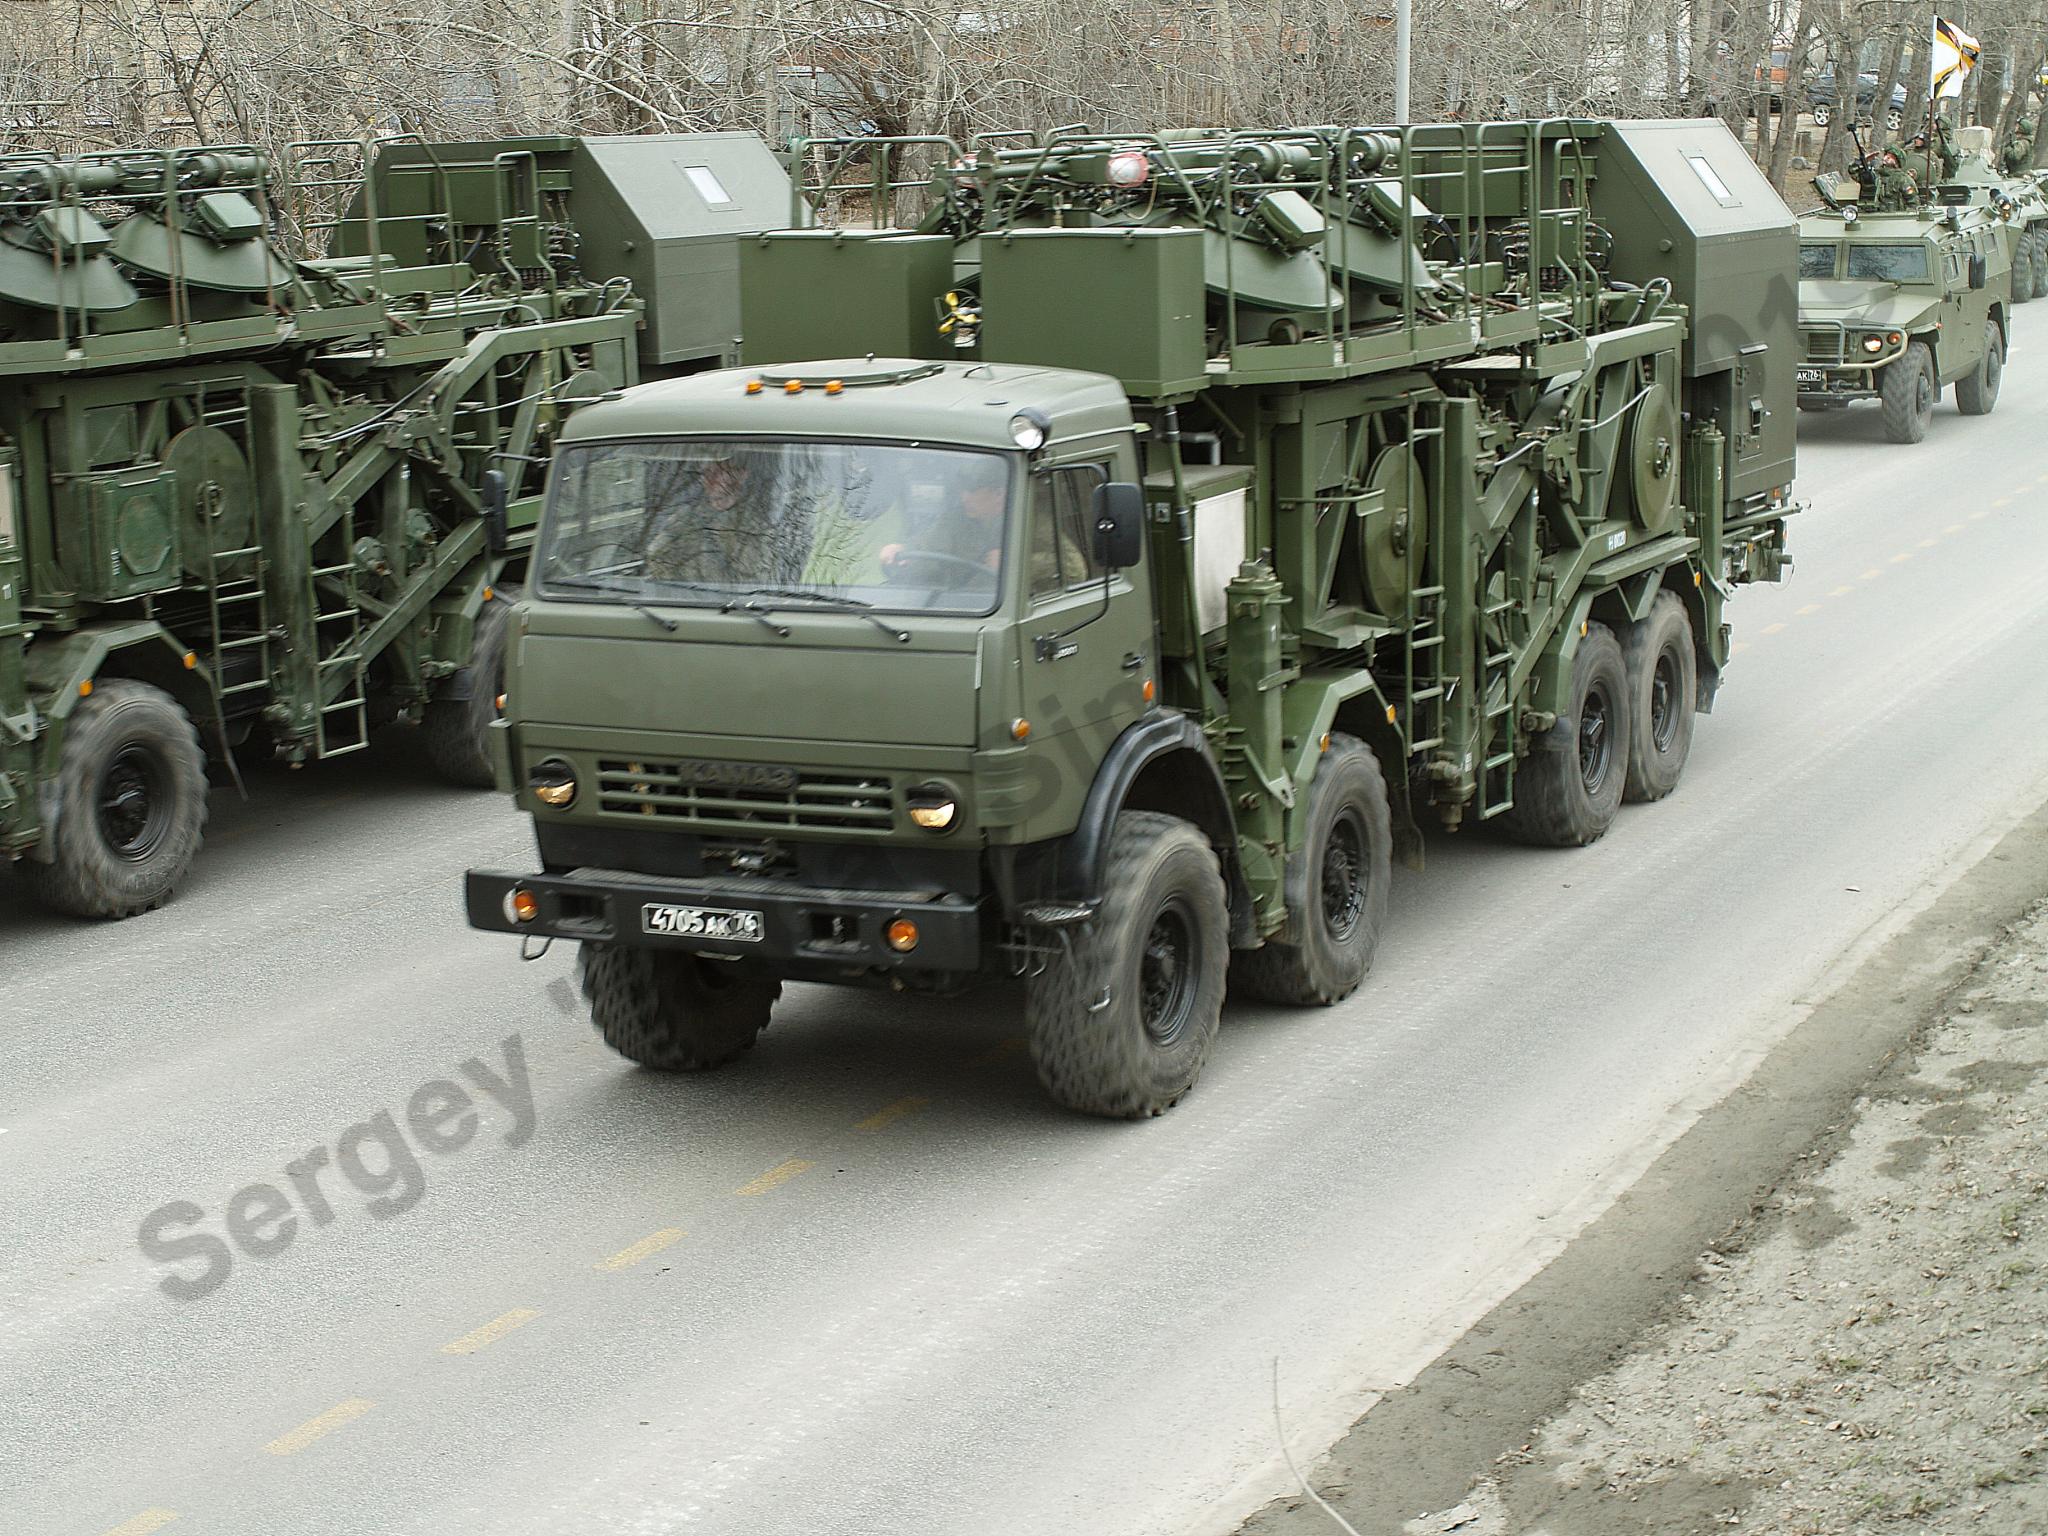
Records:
x=1821, y=92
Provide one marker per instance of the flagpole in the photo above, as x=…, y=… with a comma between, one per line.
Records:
x=1933, y=37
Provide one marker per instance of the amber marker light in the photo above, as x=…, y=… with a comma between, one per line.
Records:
x=753, y=386
x=191, y=661
x=1390, y=714
x=1149, y=691
x=85, y=689
x=903, y=935
x=489, y=593
x=793, y=387
x=835, y=386
x=523, y=905
x=1020, y=728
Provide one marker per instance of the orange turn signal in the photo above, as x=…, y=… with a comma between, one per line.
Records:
x=525, y=906
x=191, y=661
x=85, y=689
x=903, y=935
x=1020, y=728
x=1149, y=690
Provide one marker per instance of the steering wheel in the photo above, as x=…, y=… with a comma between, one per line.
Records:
x=981, y=573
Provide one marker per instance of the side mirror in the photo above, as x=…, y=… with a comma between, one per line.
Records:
x=1119, y=524
x=496, y=533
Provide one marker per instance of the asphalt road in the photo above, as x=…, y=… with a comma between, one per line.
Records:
x=868, y=1280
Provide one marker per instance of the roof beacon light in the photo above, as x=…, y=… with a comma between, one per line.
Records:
x=1129, y=168
x=1029, y=428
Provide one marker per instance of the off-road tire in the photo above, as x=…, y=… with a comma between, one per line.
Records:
x=1335, y=887
x=1663, y=691
x=672, y=1011
x=1977, y=394
x=2041, y=263
x=1125, y=1013
x=2026, y=260
x=458, y=730
x=131, y=804
x=1569, y=785
x=1907, y=390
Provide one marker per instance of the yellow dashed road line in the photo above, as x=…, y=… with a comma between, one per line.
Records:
x=2003, y=501
x=1870, y=575
x=652, y=1244
x=1809, y=608
x=1929, y=543
x=1841, y=592
x=1902, y=557
x=891, y=1113
x=1985, y=511
x=491, y=1332
x=1771, y=629
x=149, y=1520
x=775, y=1177
x=1953, y=528
x=1738, y=648
x=325, y=1424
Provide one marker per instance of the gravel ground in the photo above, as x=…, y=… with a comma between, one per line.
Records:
x=1870, y=1354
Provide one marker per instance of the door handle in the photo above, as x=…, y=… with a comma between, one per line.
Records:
x=1133, y=660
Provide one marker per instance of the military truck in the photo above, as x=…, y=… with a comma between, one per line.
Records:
x=1898, y=301
x=252, y=419
x=1097, y=582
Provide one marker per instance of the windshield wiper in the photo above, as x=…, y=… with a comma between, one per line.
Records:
x=584, y=584
x=854, y=605
x=756, y=612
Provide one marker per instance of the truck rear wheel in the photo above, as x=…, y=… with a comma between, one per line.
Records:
x=1569, y=785
x=673, y=1012
x=2040, y=262
x=458, y=740
x=1126, y=1011
x=1976, y=395
x=2026, y=258
x=1663, y=685
x=131, y=804
x=1335, y=887
x=1907, y=390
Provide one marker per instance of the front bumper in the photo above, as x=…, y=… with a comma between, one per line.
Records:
x=802, y=927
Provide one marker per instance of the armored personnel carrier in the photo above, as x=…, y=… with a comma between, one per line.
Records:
x=2018, y=201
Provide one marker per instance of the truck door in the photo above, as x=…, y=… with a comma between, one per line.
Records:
x=1087, y=641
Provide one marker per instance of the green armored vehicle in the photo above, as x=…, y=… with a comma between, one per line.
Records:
x=1099, y=581
x=249, y=416
x=1899, y=300
x=2017, y=201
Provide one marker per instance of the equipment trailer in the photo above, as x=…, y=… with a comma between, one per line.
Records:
x=1101, y=581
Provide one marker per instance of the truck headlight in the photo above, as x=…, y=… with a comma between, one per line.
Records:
x=1029, y=428
x=932, y=806
x=553, y=783
x=1873, y=344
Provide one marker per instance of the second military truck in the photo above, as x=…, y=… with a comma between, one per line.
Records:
x=1100, y=582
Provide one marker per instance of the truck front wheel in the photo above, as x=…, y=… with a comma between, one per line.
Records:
x=674, y=1012
x=1907, y=391
x=131, y=804
x=1335, y=887
x=1568, y=786
x=1124, y=1014
x=458, y=739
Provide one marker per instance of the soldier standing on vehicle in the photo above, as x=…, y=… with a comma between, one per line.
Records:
x=1945, y=157
x=1887, y=186
x=2017, y=158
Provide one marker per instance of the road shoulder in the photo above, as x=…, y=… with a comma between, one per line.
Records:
x=1508, y=1429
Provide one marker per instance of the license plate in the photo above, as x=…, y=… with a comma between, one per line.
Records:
x=726, y=923
x=1810, y=376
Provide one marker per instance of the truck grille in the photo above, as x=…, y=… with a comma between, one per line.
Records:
x=826, y=802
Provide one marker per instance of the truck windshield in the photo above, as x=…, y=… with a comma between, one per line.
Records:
x=701, y=521
x=1889, y=263
x=1817, y=260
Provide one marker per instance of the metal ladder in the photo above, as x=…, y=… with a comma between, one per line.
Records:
x=341, y=722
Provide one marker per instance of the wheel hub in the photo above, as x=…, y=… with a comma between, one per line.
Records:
x=1165, y=974
x=1343, y=877
x=131, y=805
x=1596, y=746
